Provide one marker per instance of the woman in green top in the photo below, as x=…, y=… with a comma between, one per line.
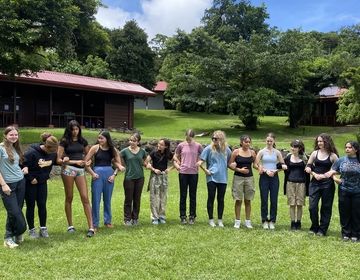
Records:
x=134, y=159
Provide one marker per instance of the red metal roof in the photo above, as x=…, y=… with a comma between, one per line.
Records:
x=160, y=86
x=57, y=79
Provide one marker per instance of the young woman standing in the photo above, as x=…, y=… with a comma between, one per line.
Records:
x=349, y=191
x=217, y=156
x=267, y=163
x=158, y=182
x=39, y=159
x=321, y=186
x=134, y=160
x=72, y=150
x=12, y=186
x=185, y=161
x=243, y=187
x=104, y=155
x=295, y=182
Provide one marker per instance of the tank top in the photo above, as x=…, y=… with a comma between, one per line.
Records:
x=321, y=167
x=296, y=172
x=269, y=160
x=103, y=157
x=244, y=162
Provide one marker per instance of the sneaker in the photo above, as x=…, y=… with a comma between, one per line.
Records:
x=135, y=222
x=43, y=232
x=191, y=220
x=183, y=221
x=312, y=232
x=265, y=225
x=162, y=220
x=293, y=225
x=9, y=243
x=237, y=224
x=354, y=239
x=155, y=221
x=248, y=224
x=71, y=229
x=298, y=225
x=90, y=233
x=109, y=225
x=272, y=225
x=33, y=233
x=320, y=233
x=220, y=223
x=212, y=223
x=128, y=223
x=19, y=239
x=345, y=238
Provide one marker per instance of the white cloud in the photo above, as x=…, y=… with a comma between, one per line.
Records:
x=158, y=16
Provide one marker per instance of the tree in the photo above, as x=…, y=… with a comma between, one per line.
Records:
x=131, y=58
x=232, y=20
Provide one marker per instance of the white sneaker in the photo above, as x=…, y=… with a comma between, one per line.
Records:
x=9, y=242
x=212, y=223
x=237, y=223
x=220, y=223
x=248, y=224
x=265, y=225
x=271, y=226
x=33, y=233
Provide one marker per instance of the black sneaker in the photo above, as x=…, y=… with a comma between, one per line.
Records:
x=293, y=225
x=298, y=225
x=90, y=233
x=183, y=220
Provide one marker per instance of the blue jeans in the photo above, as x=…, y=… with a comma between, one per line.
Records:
x=13, y=203
x=269, y=185
x=102, y=186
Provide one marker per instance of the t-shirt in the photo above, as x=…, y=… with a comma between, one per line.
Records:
x=134, y=163
x=189, y=154
x=159, y=161
x=349, y=169
x=216, y=163
x=11, y=172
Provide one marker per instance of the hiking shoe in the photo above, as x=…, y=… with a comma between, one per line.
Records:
x=248, y=224
x=128, y=223
x=272, y=225
x=212, y=223
x=183, y=221
x=155, y=222
x=33, y=233
x=19, y=239
x=237, y=223
x=9, y=243
x=220, y=223
x=71, y=229
x=265, y=225
x=43, y=232
x=90, y=233
x=191, y=220
x=162, y=220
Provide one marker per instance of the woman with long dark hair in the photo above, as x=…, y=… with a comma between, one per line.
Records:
x=321, y=186
x=349, y=190
x=158, y=182
x=72, y=150
x=12, y=186
x=104, y=155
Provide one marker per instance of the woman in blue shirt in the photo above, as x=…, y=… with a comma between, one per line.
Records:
x=349, y=191
x=216, y=155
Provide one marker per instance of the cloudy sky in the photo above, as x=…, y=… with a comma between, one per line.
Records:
x=166, y=16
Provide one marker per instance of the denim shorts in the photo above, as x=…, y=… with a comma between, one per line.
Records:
x=73, y=171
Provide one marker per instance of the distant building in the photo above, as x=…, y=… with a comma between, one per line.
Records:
x=154, y=102
x=325, y=107
x=53, y=98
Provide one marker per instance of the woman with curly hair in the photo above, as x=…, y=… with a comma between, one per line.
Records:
x=216, y=155
x=321, y=186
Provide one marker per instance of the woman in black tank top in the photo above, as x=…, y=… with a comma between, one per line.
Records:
x=243, y=182
x=321, y=187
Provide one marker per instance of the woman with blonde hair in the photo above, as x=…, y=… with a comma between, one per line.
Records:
x=216, y=155
x=39, y=159
x=12, y=186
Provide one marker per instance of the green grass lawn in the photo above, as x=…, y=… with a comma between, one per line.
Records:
x=175, y=251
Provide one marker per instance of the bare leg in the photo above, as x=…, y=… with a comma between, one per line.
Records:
x=69, y=194
x=80, y=182
x=247, y=209
x=237, y=209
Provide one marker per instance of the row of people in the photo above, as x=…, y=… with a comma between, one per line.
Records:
x=75, y=155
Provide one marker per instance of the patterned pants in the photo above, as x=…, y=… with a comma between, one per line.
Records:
x=158, y=185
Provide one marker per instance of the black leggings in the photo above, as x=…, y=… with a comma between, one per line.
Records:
x=36, y=193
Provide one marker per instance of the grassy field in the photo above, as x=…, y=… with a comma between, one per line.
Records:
x=175, y=251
